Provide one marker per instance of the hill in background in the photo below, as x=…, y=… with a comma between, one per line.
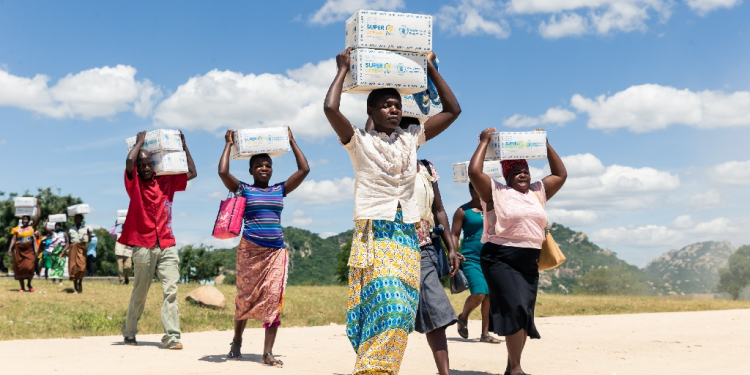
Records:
x=692, y=269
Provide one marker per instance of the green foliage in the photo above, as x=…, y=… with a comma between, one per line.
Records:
x=106, y=262
x=737, y=276
x=198, y=263
x=610, y=281
x=313, y=260
x=342, y=267
x=49, y=202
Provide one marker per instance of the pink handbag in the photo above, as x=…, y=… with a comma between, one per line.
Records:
x=229, y=221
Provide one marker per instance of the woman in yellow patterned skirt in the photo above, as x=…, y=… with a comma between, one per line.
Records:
x=384, y=266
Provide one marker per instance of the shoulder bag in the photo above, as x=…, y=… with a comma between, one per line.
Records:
x=229, y=220
x=550, y=256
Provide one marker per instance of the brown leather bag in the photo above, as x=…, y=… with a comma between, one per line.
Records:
x=551, y=256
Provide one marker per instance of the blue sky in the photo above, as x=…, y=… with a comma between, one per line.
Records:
x=647, y=100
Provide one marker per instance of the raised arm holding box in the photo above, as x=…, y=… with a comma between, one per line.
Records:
x=192, y=173
x=332, y=104
x=441, y=121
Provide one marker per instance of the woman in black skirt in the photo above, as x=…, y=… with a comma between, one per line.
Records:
x=515, y=223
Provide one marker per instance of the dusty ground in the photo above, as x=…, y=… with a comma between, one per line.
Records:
x=661, y=343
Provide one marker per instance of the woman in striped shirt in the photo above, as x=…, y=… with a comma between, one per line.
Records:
x=261, y=255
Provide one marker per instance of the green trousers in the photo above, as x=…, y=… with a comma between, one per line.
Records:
x=165, y=264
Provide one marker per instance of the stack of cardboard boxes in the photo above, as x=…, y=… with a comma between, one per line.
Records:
x=25, y=206
x=165, y=146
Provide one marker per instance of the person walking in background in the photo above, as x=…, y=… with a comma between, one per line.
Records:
x=148, y=228
x=262, y=260
x=23, y=249
x=469, y=218
x=123, y=256
x=384, y=265
x=57, y=245
x=77, y=239
x=514, y=230
x=46, y=250
x=91, y=255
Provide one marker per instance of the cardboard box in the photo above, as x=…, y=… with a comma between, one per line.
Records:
x=120, y=220
x=271, y=141
x=517, y=145
x=423, y=104
x=377, y=69
x=81, y=209
x=51, y=225
x=122, y=213
x=24, y=202
x=26, y=211
x=159, y=140
x=491, y=168
x=169, y=162
x=59, y=218
x=389, y=30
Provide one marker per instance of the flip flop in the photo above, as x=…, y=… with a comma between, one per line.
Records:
x=463, y=332
x=31, y=290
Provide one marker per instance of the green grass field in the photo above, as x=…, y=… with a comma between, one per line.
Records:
x=53, y=311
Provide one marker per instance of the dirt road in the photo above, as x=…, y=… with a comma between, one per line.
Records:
x=663, y=343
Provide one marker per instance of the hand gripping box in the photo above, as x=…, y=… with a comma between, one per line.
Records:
x=81, y=209
x=491, y=168
x=378, y=69
x=120, y=220
x=517, y=145
x=122, y=213
x=51, y=225
x=159, y=140
x=422, y=105
x=24, y=202
x=272, y=141
x=389, y=30
x=26, y=211
x=59, y=218
x=169, y=162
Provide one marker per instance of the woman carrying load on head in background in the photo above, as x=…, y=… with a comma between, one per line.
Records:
x=514, y=230
x=77, y=238
x=469, y=218
x=58, y=240
x=261, y=255
x=23, y=248
x=385, y=256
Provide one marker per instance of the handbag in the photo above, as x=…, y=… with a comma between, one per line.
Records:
x=459, y=283
x=551, y=256
x=443, y=266
x=229, y=220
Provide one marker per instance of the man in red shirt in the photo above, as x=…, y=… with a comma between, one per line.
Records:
x=148, y=229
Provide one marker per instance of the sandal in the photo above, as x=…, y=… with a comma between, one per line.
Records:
x=463, y=332
x=273, y=363
x=232, y=354
x=31, y=290
x=489, y=339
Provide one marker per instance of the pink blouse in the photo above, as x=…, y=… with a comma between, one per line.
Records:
x=517, y=219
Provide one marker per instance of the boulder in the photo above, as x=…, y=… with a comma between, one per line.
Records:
x=218, y=280
x=207, y=295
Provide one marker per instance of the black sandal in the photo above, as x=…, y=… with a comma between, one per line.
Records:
x=273, y=363
x=232, y=354
x=463, y=332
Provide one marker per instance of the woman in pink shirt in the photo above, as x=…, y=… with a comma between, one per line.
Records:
x=514, y=225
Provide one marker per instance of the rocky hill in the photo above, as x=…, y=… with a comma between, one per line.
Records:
x=312, y=259
x=692, y=269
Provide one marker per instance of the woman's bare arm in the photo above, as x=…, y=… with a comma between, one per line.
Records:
x=481, y=181
x=442, y=219
x=230, y=182
x=331, y=107
x=303, y=168
x=441, y=121
x=558, y=174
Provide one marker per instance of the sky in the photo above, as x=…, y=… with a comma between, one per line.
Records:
x=647, y=101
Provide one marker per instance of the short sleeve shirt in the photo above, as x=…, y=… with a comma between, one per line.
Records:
x=23, y=234
x=518, y=219
x=262, y=224
x=150, y=211
x=385, y=168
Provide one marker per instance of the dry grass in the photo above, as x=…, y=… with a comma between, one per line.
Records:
x=54, y=312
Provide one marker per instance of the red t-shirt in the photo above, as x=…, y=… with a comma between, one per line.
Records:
x=150, y=211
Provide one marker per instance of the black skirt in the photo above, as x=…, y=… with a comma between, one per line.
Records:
x=513, y=279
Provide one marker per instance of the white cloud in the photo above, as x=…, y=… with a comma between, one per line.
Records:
x=313, y=192
x=650, y=107
x=98, y=92
x=552, y=116
x=684, y=230
x=300, y=219
x=705, y=200
x=567, y=24
x=572, y=218
x=339, y=10
x=327, y=234
x=473, y=17
x=732, y=173
x=683, y=222
x=592, y=186
x=703, y=7
x=221, y=99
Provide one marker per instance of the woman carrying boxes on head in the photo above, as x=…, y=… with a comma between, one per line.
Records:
x=23, y=248
x=261, y=255
x=385, y=256
x=514, y=230
x=148, y=228
x=58, y=242
x=77, y=239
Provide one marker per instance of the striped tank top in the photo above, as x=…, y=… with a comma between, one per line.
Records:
x=263, y=214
